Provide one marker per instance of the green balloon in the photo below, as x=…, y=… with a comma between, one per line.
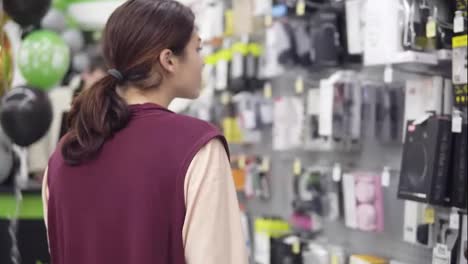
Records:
x=44, y=59
x=61, y=5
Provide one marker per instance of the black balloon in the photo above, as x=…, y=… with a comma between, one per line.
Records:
x=26, y=12
x=25, y=115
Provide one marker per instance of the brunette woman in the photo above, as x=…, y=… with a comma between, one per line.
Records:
x=132, y=182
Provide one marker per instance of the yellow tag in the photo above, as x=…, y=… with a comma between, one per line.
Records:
x=296, y=247
x=231, y=130
x=334, y=259
x=241, y=162
x=225, y=54
x=297, y=167
x=255, y=49
x=429, y=215
x=241, y=48
x=267, y=90
x=431, y=28
x=268, y=20
x=265, y=164
x=300, y=7
x=229, y=23
x=460, y=41
x=211, y=59
x=299, y=85
x=225, y=98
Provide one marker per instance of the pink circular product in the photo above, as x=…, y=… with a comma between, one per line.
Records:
x=365, y=192
x=367, y=217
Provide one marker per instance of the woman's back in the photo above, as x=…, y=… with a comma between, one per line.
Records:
x=127, y=205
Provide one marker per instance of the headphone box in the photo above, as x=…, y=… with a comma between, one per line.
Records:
x=459, y=184
x=426, y=161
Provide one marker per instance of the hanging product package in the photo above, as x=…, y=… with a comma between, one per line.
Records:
x=363, y=199
x=426, y=161
x=389, y=114
x=326, y=44
x=276, y=43
x=288, y=123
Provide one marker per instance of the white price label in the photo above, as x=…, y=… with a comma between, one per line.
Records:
x=458, y=24
x=336, y=173
x=386, y=177
x=454, y=221
x=388, y=74
x=457, y=124
x=441, y=254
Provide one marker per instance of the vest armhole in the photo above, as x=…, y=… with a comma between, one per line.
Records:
x=196, y=147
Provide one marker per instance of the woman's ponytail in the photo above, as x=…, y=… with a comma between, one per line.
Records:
x=97, y=113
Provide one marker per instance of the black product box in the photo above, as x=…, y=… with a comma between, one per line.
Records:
x=459, y=186
x=426, y=162
x=282, y=252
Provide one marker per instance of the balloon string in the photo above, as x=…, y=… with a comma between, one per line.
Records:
x=3, y=52
x=18, y=183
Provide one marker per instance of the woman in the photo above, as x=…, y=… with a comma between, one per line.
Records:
x=132, y=182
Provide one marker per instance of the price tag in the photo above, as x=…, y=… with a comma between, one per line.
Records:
x=386, y=177
x=429, y=216
x=267, y=90
x=336, y=173
x=431, y=28
x=300, y=7
x=241, y=162
x=454, y=221
x=297, y=167
x=296, y=247
x=441, y=254
x=229, y=22
x=268, y=20
x=458, y=24
x=225, y=98
x=457, y=123
x=388, y=74
x=299, y=85
x=265, y=164
x=334, y=259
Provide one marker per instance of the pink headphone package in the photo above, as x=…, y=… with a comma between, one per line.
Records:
x=363, y=200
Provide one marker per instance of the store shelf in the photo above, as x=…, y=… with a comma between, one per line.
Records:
x=444, y=55
x=415, y=57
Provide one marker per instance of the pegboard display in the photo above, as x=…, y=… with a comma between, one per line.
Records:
x=373, y=156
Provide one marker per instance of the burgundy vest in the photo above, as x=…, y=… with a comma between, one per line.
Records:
x=127, y=206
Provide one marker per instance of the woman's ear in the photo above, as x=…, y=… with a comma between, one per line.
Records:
x=167, y=60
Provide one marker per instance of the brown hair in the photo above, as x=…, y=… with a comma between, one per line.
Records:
x=134, y=36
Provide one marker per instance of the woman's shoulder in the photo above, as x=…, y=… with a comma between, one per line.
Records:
x=193, y=123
